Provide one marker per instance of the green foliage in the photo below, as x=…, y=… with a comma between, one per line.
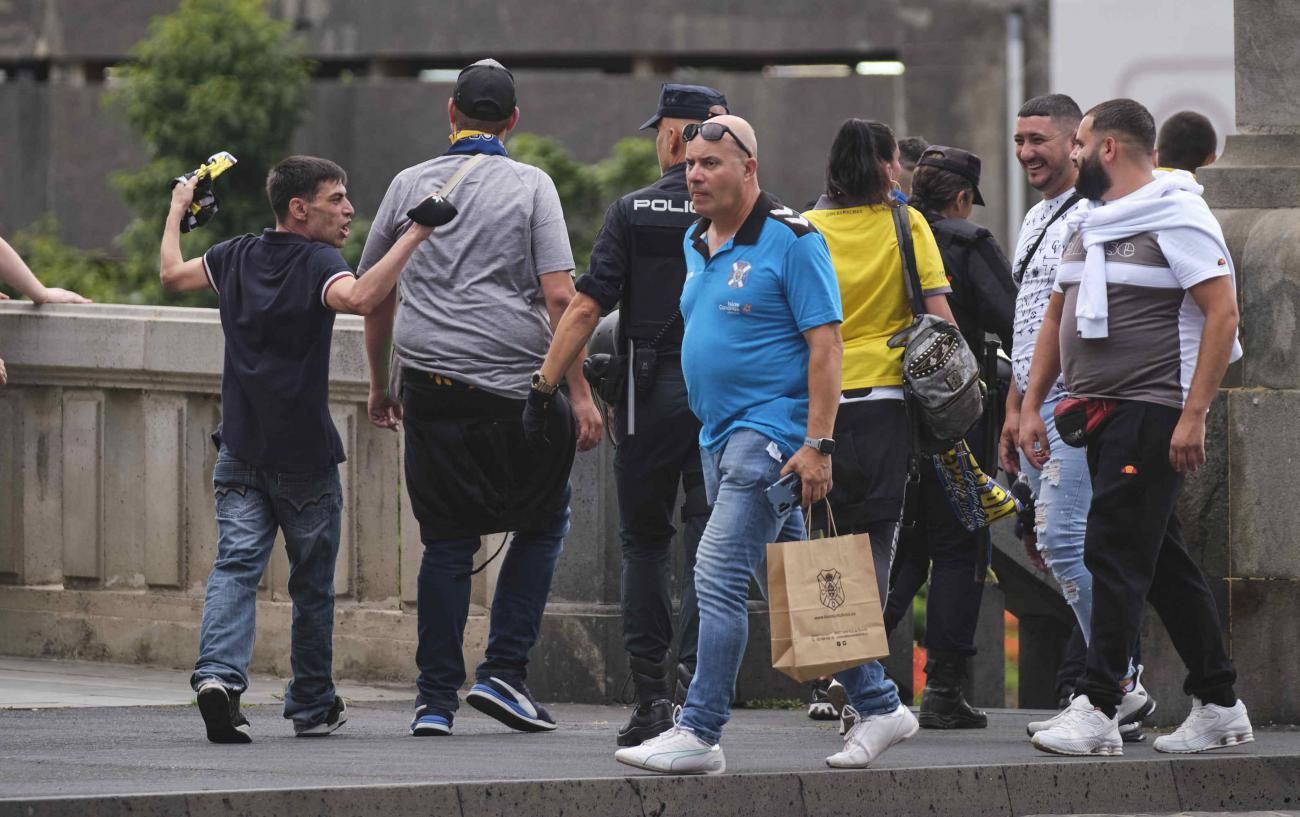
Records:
x=587, y=190
x=213, y=75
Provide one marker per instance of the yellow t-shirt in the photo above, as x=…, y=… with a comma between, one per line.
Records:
x=864, y=249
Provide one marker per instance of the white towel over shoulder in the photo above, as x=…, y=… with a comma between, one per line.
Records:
x=1172, y=200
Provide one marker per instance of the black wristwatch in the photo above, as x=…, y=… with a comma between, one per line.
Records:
x=541, y=384
x=822, y=445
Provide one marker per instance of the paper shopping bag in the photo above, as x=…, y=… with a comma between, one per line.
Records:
x=824, y=606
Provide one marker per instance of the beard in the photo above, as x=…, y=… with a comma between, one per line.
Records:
x=1093, y=182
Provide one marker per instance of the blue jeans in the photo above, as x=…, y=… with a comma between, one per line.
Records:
x=1064, y=492
x=252, y=503
x=517, y=607
x=733, y=550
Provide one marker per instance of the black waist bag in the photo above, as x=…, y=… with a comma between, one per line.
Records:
x=469, y=470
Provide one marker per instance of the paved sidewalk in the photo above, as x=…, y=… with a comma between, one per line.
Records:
x=148, y=758
x=32, y=683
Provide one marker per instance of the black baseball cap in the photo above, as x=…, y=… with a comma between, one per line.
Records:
x=954, y=160
x=686, y=102
x=485, y=90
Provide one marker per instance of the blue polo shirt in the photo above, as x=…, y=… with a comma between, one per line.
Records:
x=746, y=308
x=275, y=381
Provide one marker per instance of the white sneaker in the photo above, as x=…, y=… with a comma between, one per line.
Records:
x=1034, y=727
x=1081, y=729
x=677, y=751
x=869, y=737
x=1209, y=726
x=1135, y=706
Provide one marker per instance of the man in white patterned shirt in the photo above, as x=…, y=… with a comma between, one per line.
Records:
x=1045, y=126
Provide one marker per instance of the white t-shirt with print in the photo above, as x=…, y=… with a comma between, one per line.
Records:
x=1036, y=285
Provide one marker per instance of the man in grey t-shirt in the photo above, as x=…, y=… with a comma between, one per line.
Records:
x=476, y=313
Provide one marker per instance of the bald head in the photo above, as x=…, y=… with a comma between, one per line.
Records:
x=741, y=130
x=722, y=170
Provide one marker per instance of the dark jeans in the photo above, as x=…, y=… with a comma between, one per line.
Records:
x=1135, y=550
x=252, y=504
x=517, y=606
x=938, y=547
x=443, y=589
x=648, y=466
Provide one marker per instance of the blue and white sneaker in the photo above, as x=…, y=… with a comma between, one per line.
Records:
x=513, y=707
x=430, y=723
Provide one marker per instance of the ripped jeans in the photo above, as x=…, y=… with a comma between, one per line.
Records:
x=1064, y=492
x=252, y=504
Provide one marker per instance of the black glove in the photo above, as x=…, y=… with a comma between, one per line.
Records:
x=541, y=412
x=434, y=211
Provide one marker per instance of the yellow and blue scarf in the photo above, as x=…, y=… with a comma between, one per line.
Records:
x=468, y=142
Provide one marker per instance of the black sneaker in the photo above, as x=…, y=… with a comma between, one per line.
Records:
x=220, y=710
x=512, y=705
x=336, y=717
x=647, y=721
x=820, y=707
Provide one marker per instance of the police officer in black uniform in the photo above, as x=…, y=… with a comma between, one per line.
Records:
x=637, y=262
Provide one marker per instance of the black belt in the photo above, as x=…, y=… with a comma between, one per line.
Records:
x=854, y=394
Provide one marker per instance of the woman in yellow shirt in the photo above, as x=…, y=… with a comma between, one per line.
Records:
x=873, y=437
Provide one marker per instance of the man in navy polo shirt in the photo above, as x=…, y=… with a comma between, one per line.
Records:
x=761, y=356
x=278, y=449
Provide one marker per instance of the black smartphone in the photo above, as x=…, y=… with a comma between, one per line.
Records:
x=785, y=494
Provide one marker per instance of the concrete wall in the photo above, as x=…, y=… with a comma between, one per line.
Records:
x=107, y=530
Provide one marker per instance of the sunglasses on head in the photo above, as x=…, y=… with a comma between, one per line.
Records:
x=712, y=132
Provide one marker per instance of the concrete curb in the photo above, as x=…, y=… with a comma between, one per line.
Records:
x=1235, y=783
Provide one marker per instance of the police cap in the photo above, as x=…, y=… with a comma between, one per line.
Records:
x=686, y=102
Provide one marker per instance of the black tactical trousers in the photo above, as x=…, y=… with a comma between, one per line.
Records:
x=648, y=466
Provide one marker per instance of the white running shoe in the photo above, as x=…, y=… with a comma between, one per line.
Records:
x=1034, y=727
x=1136, y=706
x=869, y=737
x=677, y=751
x=1209, y=726
x=1082, y=729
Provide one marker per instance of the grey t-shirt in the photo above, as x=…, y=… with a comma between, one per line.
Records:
x=472, y=306
x=1154, y=333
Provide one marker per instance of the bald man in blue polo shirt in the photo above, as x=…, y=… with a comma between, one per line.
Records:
x=761, y=355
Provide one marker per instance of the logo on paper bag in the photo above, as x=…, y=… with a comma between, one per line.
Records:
x=831, y=587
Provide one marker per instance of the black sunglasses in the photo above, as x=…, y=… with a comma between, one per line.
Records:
x=712, y=132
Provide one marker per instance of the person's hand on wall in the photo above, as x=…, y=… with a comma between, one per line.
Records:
x=55, y=295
